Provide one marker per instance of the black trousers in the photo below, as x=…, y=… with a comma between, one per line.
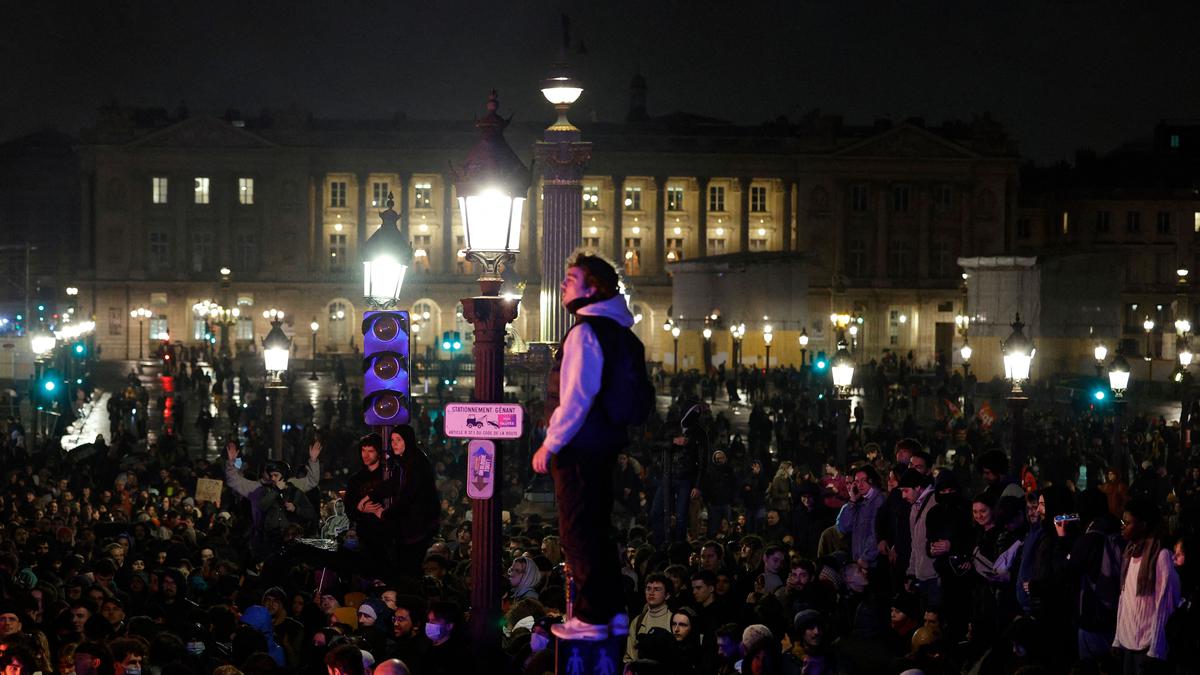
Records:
x=583, y=492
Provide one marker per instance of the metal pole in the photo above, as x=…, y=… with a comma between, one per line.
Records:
x=313, y=376
x=768, y=368
x=676, y=357
x=277, y=393
x=843, y=428
x=141, y=340
x=488, y=314
x=1017, y=405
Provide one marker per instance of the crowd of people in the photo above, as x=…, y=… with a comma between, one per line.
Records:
x=742, y=548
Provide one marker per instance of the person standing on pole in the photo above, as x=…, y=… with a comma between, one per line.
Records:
x=597, y=387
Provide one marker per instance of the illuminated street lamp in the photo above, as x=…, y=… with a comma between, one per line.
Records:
x=42, y=343
x=803, y=346
x=1118, y=376
x=1100, y=352
x=314, y=326
x=492, y=185
x=141, y=314
x=675, y=336
x=707, y=334
x=768, y=336
x=843, y=379
x=386, y=256
x=1018, y=356
x=277, y=347
x=965, y=352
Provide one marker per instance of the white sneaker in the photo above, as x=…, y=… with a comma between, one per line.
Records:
x=577, y=629
x=619, y=626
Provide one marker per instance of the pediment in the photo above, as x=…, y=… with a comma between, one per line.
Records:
x=203, y=132
x=907, y=142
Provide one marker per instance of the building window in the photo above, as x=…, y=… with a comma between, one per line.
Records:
x=1103, y=222
x=202, y=251
x=858, y=198
x=633, y=255
x=942, y=262
x=245, y=251
x=758, y=199
x=337, y=251
x=856, y=258
x=1023, y=228
x=246, y=191
x=899, y=258
x=633, y=199
x=674, y=249
x=674, y=198
x=716, y=245
x=591, y=197
x=893, y=327
x=1174, y=141
x=1163, y=222
x=900, y=199
x=422, y=195
x=1133, y=221
x=244, y=332
x=158, y=328
x=758, y=244
x=421, y=245
x=199, y=329
x=337, y=194
x=943, y=195
x=716, y=198
x=201, y=190
x=1196, y=221
x=1065, y=225
x=160, y=250
x=379, y=195
x=158, y=190
x=591, y=243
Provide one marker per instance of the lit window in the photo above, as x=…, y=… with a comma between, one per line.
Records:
x=591, y=197
x=158, y=328
x=674, y=198
x=421, y=245
x=633, y=199
x=337, y=251
x=1196, y=221
x=633, y=255
x=1066, y=222
x=158, y=190
x=716, y=198
x=422, y=195
x=337, y=194
x=674, y=249
x=245, y=328
x=716, y=245
x=246, y=191
x=758, y=199
x=379, y=193
x=201, y=189
x=1174, y=141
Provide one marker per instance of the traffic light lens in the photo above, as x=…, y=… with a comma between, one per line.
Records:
x=386, y=406
x=446, y=346
x=50, y=386
x=1099, y=395
x=386, y=328
x=386, y=367
x=78, y=349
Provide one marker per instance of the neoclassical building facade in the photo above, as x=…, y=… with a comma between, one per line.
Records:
x=880, y=214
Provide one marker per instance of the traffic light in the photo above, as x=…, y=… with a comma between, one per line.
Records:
x=79, y=350
x=452, y=341
x=821, y=362
x=385, y=368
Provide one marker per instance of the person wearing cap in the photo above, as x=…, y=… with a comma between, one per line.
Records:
x=808, y=651
x=276, y=500
x=583, y=442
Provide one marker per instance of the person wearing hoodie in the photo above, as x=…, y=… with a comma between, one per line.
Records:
x=584, y=442
x=276, y=501
x=258, y=618
x=718, y=489
x=524, y=577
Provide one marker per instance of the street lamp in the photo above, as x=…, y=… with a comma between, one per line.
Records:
x=1118, y=381
x=803, y=346
x=1100, y=352
x=491, y=185
x=141, y=314
x=1018, y=356
x=277, y=347
x=843, y=379
x=385, y=261
x=768, y=335
x=707, y=333
x=675, y=336
x=314, y=326
x=965, y=352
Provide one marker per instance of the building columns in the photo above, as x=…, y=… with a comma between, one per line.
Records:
x=618, y=219
x=447, y=262
x=660, y=226
x=744, y=214
x=702, y=218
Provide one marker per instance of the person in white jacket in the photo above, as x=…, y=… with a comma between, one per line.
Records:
x=584, y=442
x=1150, y=591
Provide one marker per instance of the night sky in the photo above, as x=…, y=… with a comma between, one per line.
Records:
x=1058, y=74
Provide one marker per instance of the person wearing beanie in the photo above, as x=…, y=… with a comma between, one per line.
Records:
x=289, y=632
x=905, y=618
x=807, y=649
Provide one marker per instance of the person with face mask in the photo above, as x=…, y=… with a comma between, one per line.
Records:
x=128, y=655
x=448, y=653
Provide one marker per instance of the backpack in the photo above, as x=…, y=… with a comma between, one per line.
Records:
x=625, y=389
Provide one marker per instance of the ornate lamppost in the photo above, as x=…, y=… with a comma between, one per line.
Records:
x=314, y=326
x=277, y=348
x=1018, y=356
x=141, y=314
x=492, y=185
